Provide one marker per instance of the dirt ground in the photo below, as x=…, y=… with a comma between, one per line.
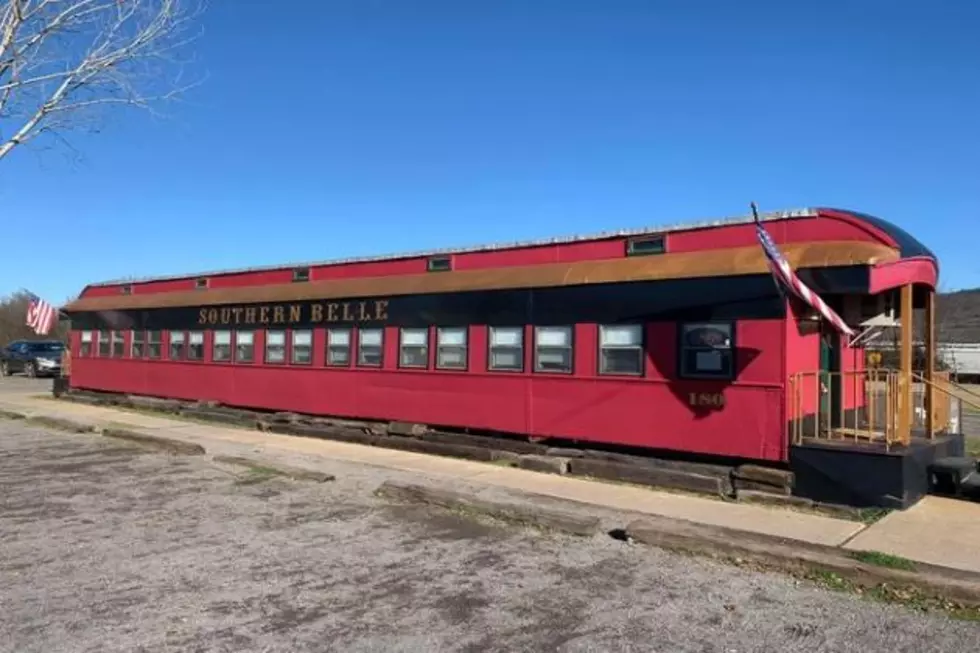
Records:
x=106, y=548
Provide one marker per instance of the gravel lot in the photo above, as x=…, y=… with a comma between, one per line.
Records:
x=104, y=547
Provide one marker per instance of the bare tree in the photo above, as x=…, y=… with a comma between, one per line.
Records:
x=63, y=61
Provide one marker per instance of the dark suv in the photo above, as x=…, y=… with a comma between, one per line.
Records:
x=32, y=357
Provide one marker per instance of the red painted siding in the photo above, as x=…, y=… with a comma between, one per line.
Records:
x=822, y=228
x=650, y=411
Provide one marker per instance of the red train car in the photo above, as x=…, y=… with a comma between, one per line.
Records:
x=673, y=339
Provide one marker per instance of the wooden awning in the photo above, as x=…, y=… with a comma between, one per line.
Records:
x=708, y=263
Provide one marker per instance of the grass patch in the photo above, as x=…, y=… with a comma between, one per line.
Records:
x=871, y=515
x=256, y=474
x=907, y=597
x=972, y=446
x=884, y=560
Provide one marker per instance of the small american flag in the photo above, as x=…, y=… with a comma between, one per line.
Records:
x=784, y=274
x=41, y=316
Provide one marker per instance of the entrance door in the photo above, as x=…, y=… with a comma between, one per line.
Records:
x=830, y=395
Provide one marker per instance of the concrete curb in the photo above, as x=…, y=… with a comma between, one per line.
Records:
x=779, y=554
x=297, y=473
x=60, y=423
x=157, y=442
x=542, y=517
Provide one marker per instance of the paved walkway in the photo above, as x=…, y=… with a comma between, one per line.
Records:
x=936, y=531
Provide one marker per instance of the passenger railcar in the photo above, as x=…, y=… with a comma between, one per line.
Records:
x=666, y=339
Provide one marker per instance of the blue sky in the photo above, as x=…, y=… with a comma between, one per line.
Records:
x=340, y=128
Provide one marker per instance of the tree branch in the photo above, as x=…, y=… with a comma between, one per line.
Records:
x=62, y=59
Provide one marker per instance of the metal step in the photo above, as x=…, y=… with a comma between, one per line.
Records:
x=970, y=486
x=946, y=475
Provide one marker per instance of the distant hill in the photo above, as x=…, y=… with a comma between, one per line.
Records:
x=958, y=316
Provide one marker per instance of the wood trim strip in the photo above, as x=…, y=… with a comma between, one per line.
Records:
x=710, y=263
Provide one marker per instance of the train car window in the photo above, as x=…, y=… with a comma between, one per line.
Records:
x=451, y=348
x=439, y=264
x=413, y=348
x=370, y=347
x=553, y=349
x=621, y=349
x=154, y=346
x=103, y=343
x=118, y=344
x=221, y=347
x=275, y=347
x=244, y=346
x=178, y=340
x=338, y=347
x=195, y=345
x=201, y=284
x=86, y=349
x=707, y=350
x=302, y=347
x=506, y=349
x=136, y=346
x=645, y=245
x=301, y=274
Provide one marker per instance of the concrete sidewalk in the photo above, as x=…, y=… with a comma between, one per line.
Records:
x=922, y=533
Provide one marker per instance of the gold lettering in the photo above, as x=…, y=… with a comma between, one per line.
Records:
x=238, y=314
x=264, y=314
x=347, y=316
x=278, y=315
x=250, y=315
x=362, y=312
x=316, y=313
x=295, y=313
x=381, y=309
x=332, y=312
x=213, y=316
x=202, y=317
x=225, y=315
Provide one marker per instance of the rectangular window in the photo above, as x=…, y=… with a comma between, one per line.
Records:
x=621, y=349
x=86, y=349
x=195, y=346
x=127, y=289
x=645, y=245
x=451, y=348
x=118, y=344
x=338, y=347
x=244, y=346
x=201, y=284
x=439, y=264
x=275, y=347
x=104, y=343
x=506, y=349
x=301, y=274
x=302, y=350
x=178, y=345
x=414, y=348
x=221, y=347
x=553, y=349
x=136, y=349
x=154, y=346
x=707, y=350
x=370, y=344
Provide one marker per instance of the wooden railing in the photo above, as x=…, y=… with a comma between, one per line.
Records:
x=870, y=406
x=867, y=408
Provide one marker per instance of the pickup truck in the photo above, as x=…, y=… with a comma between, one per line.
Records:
x=32, y=357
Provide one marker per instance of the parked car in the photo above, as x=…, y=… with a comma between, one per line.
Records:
x=32, y=357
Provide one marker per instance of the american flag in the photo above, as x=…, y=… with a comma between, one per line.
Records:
x=41, y=316
x=783, y=273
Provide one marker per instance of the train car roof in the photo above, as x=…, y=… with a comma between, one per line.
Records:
x=605, y=235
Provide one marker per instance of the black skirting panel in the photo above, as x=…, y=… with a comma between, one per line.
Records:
x=865, y=475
